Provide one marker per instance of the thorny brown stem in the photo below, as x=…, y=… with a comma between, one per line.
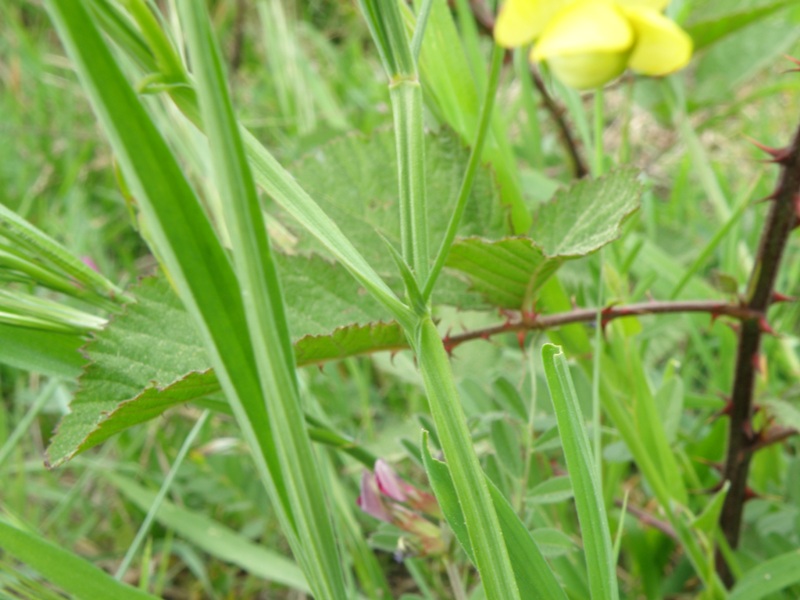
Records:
x=742, y=440
x=521, y=322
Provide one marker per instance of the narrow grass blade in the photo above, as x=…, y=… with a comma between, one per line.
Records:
x=265, y=312
x=213, y=537
x=183, y=236
x=769, y=577
x=23, y=234
x=585, y=480
x=26, y=421
x=63, y=568
x=144, y=528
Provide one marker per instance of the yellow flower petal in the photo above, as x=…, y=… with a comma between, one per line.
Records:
x=587, y=26
x=588, y=71
x=586, y=44
x=661, y=46
x=658, y=5
x=522, y=21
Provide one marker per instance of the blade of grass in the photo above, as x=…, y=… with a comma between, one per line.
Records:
x=469, y=175
x=63, y=568
x=315, y=545
x=22, y=426
x=183, y=235
x=22, y=233
x=144, y=528
x=585, y=481
x=212, y=536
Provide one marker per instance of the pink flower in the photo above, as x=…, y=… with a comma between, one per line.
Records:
x=384, y=496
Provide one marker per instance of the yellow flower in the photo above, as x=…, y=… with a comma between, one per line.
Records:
x=587, y=43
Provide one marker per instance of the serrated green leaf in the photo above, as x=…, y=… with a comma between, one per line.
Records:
x=353, y=179
x=322, y=296
x=586, y=216
x=151, y=358
x=152, y=343
x=350, y=341
x=505, y=272
x=510, y=272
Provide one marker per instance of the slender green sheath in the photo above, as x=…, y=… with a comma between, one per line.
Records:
x=483, y=526
x=406, y=95
x=389, y=34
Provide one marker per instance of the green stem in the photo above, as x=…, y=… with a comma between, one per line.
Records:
x=599, y=125
x=406, y=96
x=419, y=31
x=472, y=168
x=483, y=526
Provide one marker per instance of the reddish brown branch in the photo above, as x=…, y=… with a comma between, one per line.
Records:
x=782, y=218
x=535, y=322
x=557, y=112
x=645, y=518
x=775, y=434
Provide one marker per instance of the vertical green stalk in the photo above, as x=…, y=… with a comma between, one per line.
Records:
x=597, y=171
x=406, y=96
x=144, y=528
x=483, y=526
x=599, y=126
x=389, y=33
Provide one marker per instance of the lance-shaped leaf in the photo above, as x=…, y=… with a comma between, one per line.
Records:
x=63, y=568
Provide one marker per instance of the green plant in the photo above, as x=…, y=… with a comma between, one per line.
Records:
x=248, y=293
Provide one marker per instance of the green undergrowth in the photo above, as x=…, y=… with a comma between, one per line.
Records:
x=676, y=210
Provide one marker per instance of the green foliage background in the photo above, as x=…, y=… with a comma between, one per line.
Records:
x=305, y=82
